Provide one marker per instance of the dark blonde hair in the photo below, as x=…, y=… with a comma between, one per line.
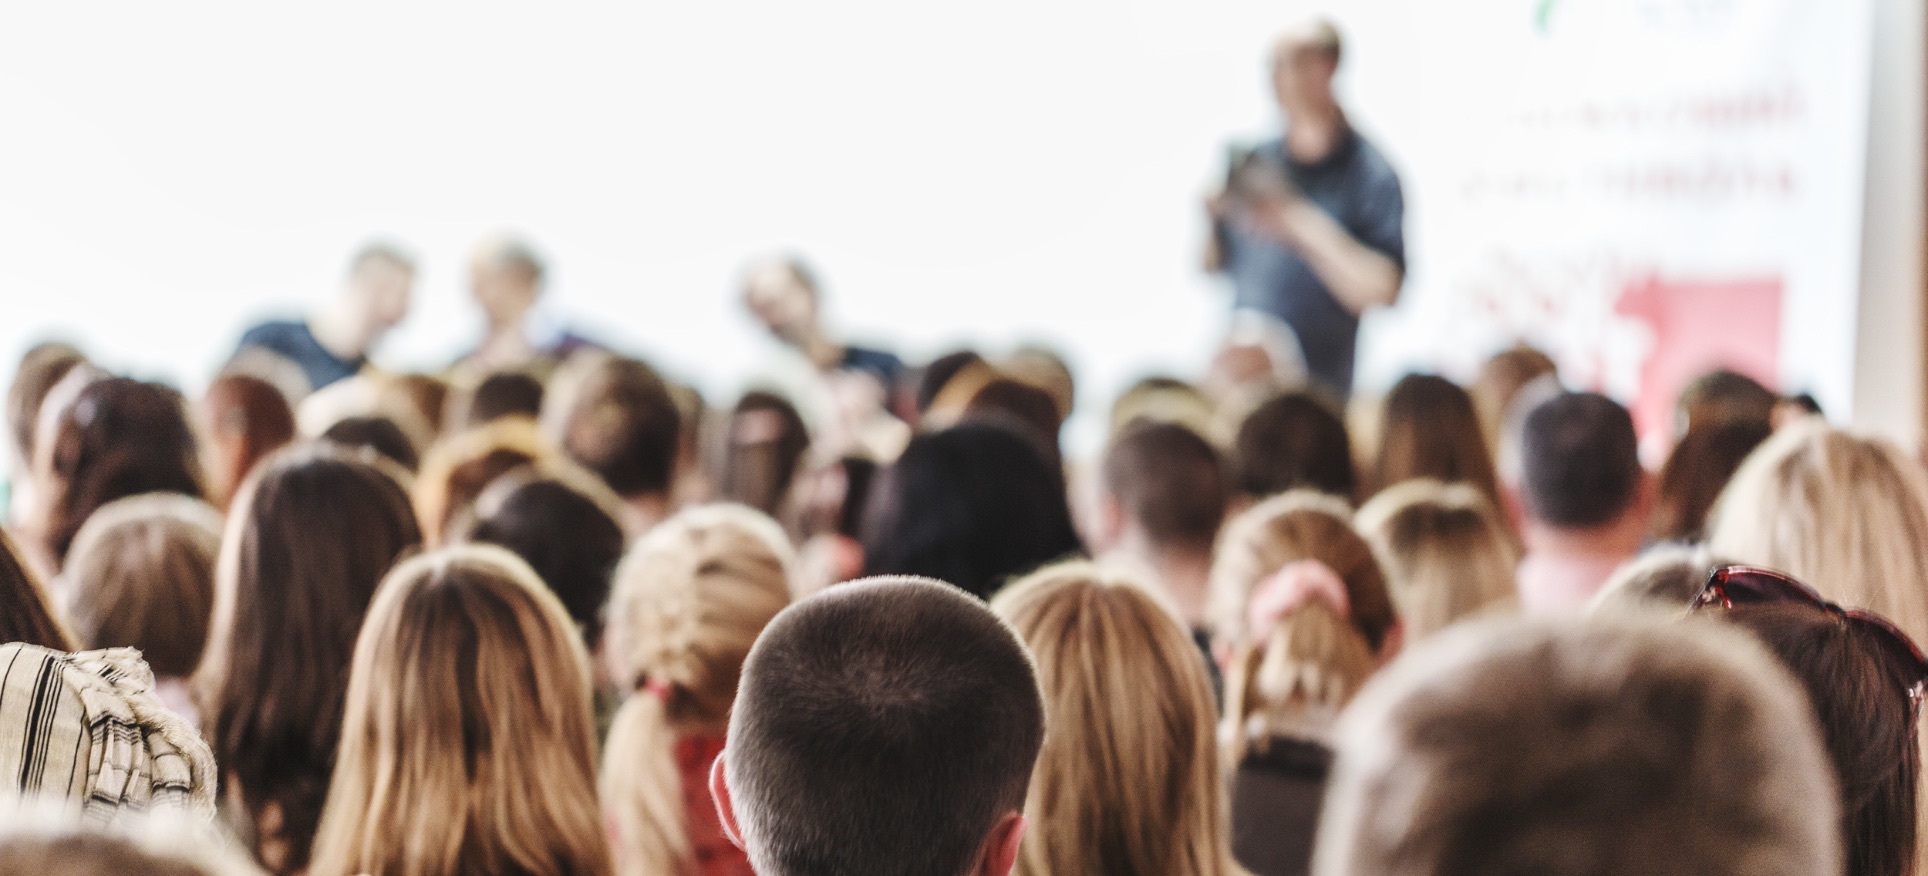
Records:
x=1129, y=778
x=1431, y=430
x=141, y=575
x=467, y=743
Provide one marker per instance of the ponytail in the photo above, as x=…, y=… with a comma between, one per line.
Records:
x=643, y=792
x=1295, y=680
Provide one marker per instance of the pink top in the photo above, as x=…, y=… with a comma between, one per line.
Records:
x=715, y=854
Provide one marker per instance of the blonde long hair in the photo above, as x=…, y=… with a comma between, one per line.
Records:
x=468, y=745
x=1445, y=550
x=1846, y=514
x=689, y=601
x=1293, y=678
x=1129, y=779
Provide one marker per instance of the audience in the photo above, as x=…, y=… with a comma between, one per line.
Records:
x=1723, y=396
x=45, y=840
x=564, y=523
x=767, y=445
x=1429, y=429
x=1501, y=378
x=1617, y=746
x=1293, y=441
x=1846, y=514
x=242, y=419
x=883, y=726
x=1445, y=551
x=379, y=435
x=333, y=344
x=1266, y=538
x=1586, y=498
x=974, y=505
x=141, y=575
x=467, y=744
x=1165, y=495
x=41, y=368
x=500, y=394
x=689, y=602
x=616, y=417
x=456, y=470
x=1700, y=466
x=117, y=438
x=312, y=533
x=1128, y=781
x=26, y=613
x=1865, y=680
x=1664, y=579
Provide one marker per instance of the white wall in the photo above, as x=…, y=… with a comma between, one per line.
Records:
x=1888, y=355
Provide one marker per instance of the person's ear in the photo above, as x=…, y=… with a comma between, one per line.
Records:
x=1393, y=642
x=725, y=809
x=1001, y=847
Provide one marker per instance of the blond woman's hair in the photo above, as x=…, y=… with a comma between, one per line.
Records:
x=1292, y=679
x=468, y=745
x=688, y=602
x=1129, y=779
x=1844, y=513
x=1445, y=550
x=1293, y=526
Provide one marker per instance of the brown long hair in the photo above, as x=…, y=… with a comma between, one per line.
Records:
x=119, y=438
x=1431, y=430
x=25, y=614
x=314, y=530
x=467, y=745
x=1129, y=781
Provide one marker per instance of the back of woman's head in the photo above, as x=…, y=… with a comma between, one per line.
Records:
x=1859, y=693
x=1300, y=525
x=1444, y=549
x=1848, y=515
x=243, y=419
x=564, y=523
x=1696, y=472
x=689, y=601
x=458, y=468
x=42, y=366
x=26, y=614
x=1129, y=778
x=119, y=438
x=973, y=504
x=767, y=442
x=467, y=744
x=1500, y=380
x=312, y=533
x=1430, y=430
x=1293, y=442
x=376, y=434
x=141, y=574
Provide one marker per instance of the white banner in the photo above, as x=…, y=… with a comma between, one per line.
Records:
x=1647, y=189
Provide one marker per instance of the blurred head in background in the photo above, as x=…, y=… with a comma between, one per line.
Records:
x=1293, y=442
x=1446, y=552
x=1695, y=473
x=118, y=438
x=505, y=279
x=565, y=524
x=1304, y=61
x=782, y=295
x=1587, y=500
x=618, y=418
x=375, y=299
x=1431, y=430
x=242, y=419
x=767, y=444
x=1165, y=493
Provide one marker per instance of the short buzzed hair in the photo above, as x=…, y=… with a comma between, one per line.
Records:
x=1580, y=461
x=882, y=726
x=1619, y=745
x=1169, y=480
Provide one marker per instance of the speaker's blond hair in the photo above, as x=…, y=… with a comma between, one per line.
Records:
x=1129, y=779
x=688, y=602
x=1445, y=550
x=468, y=745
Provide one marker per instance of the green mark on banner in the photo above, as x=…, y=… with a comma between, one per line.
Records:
x=1544, y=15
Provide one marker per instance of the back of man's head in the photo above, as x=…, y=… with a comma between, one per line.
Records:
x=1627, y=744
x=1170, y=482
x=620, y=421
x=1579, y=460
x=882, y=726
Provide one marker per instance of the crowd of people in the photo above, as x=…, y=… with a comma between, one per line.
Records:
x=550, y=612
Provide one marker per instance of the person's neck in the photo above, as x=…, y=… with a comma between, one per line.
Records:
x=338, y=335
x=1183, y=572
x=816, y=345
x=1314, y=131
x=643, y=511
x=1611, y=540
